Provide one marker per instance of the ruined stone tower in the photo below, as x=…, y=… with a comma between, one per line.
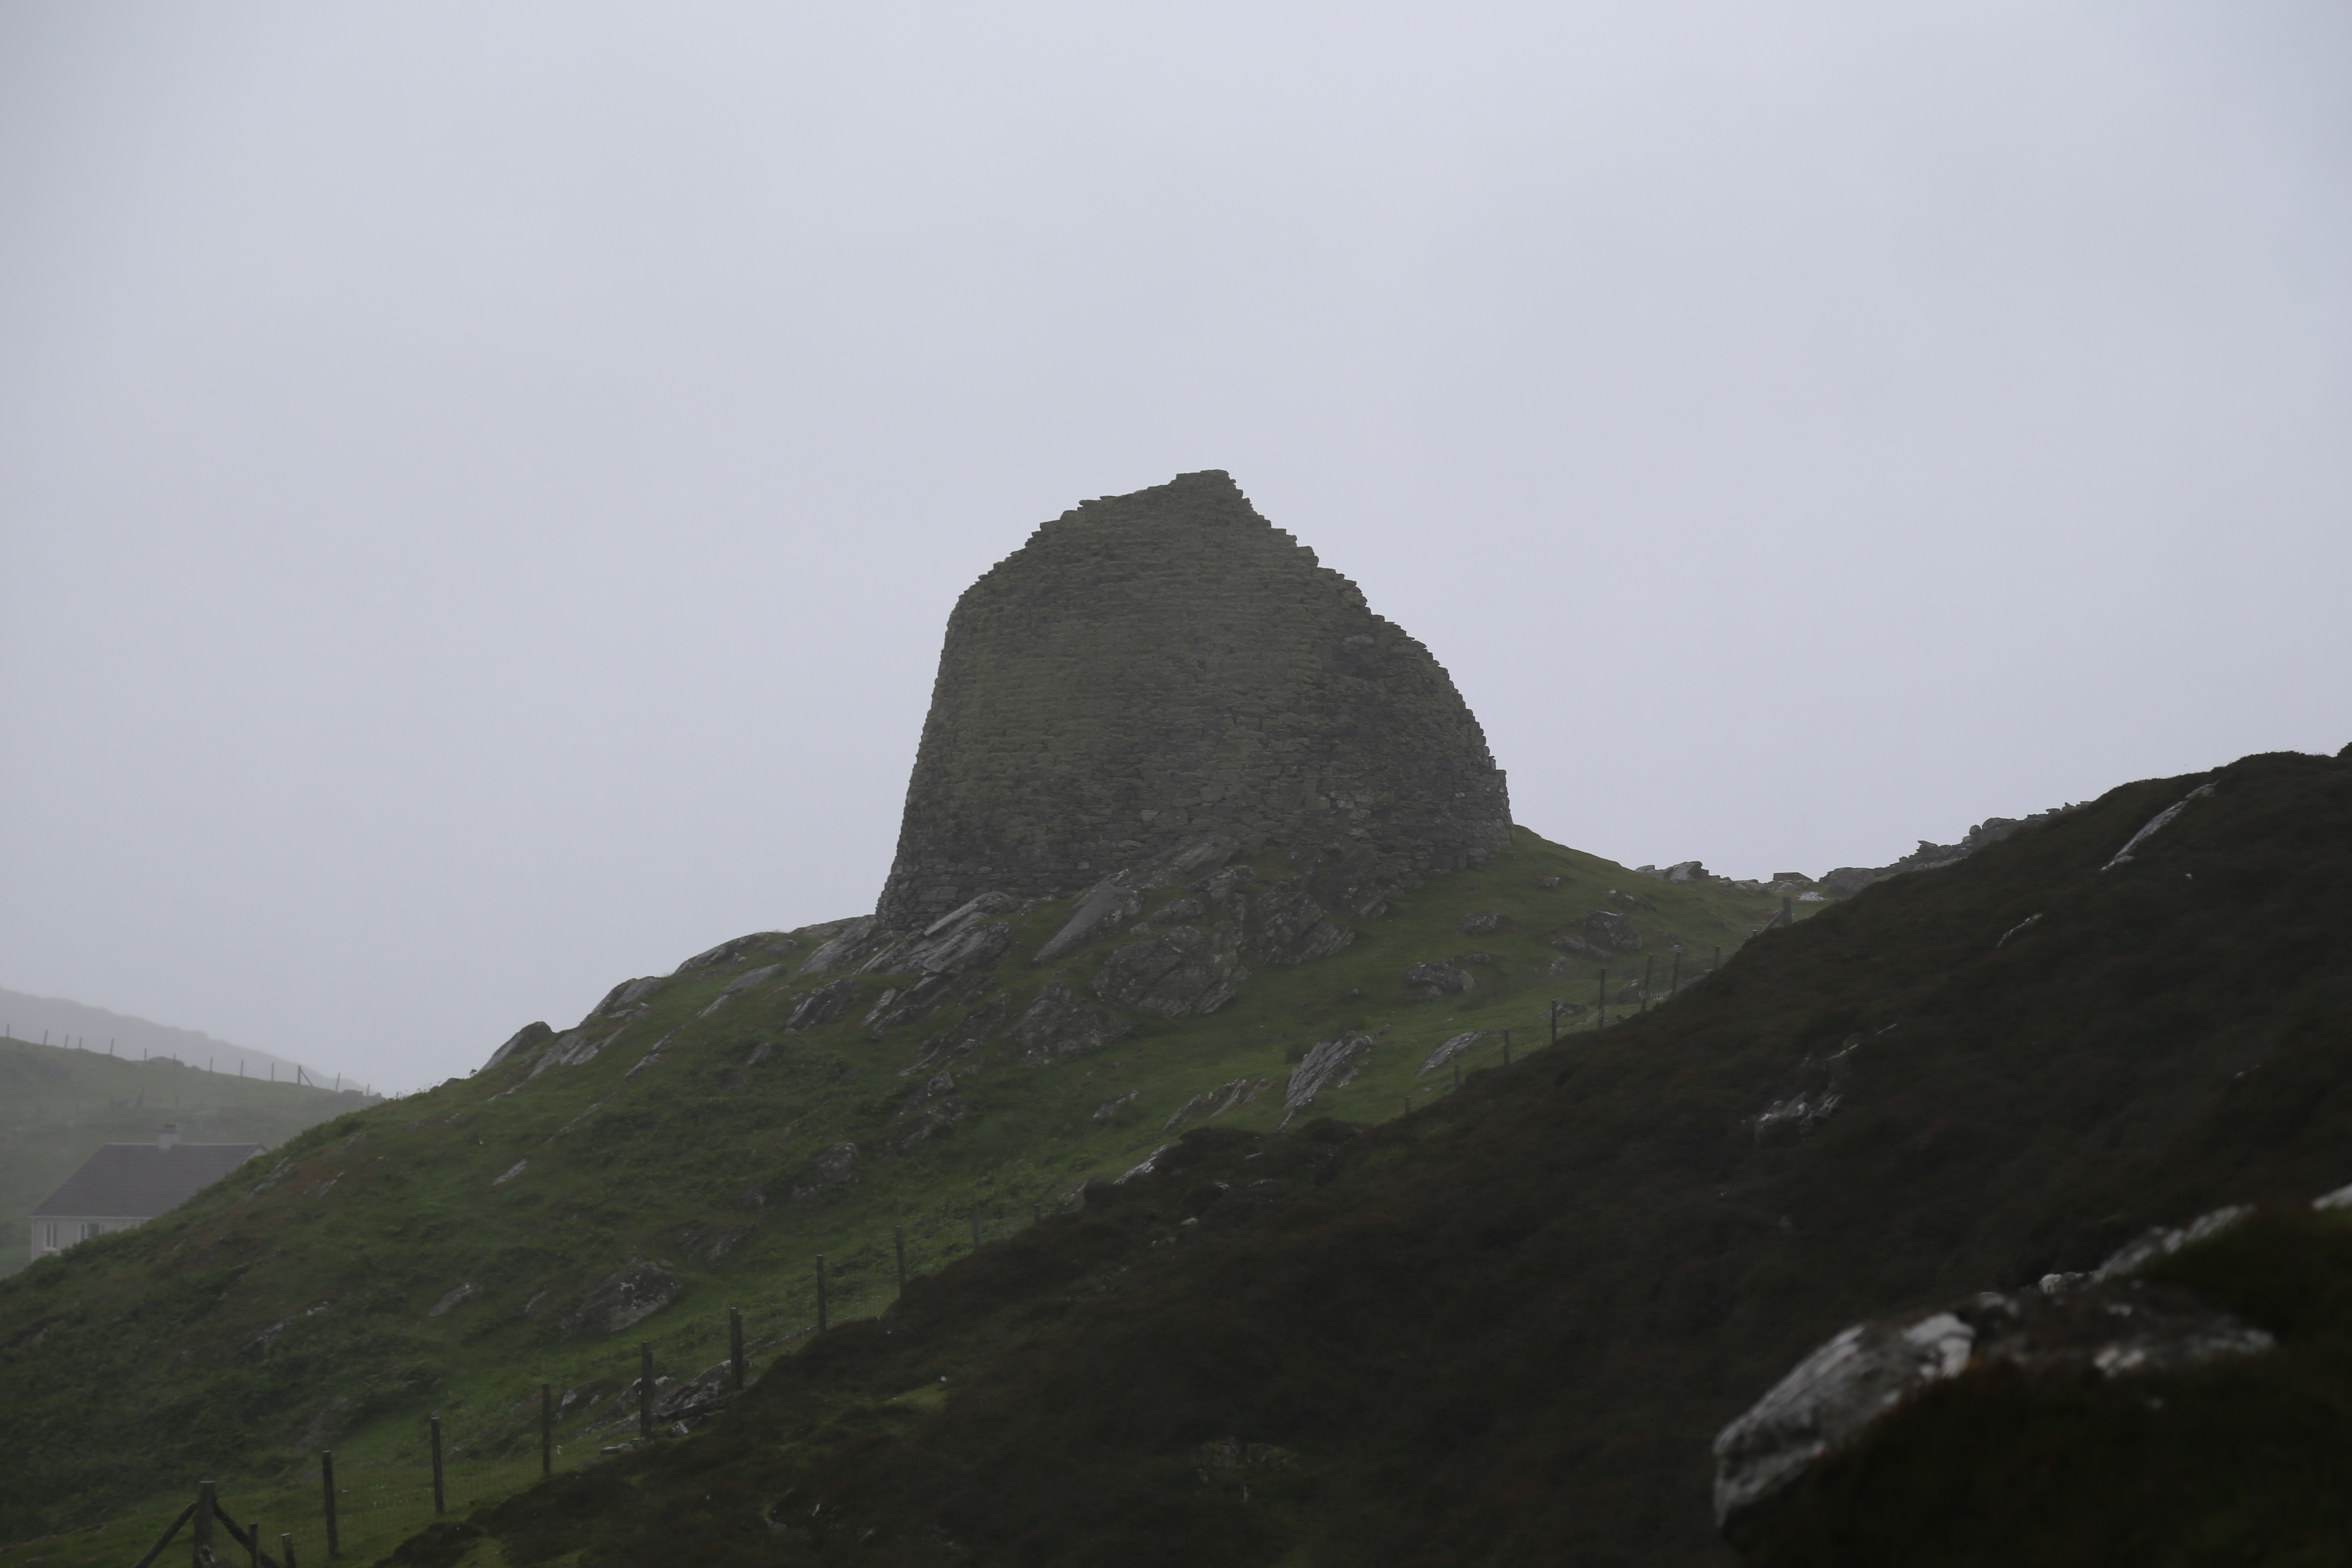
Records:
x=1153, y=669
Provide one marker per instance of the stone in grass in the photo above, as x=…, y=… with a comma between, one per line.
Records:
x=1331, y=1064
x=1293, y=928
x=824, y=1004
x=1428, y=982
x=635, y=1290
x=1061, y=1023
x=1485, y=922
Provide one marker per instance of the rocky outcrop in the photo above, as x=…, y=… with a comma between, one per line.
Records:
x=824, y=1004
x=1293, y=928
x=1848, y=880
x=1155, y=667
x=1333, y=1064
x=2102, y=1324
x=1449, y=1048
x=635, y=1291
x=1175, y=973
x=1061, y=1023
x=1430, y=982
x=1214, y=1102
x=525, y=1041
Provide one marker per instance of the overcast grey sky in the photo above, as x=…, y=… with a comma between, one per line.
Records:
x=481, y=484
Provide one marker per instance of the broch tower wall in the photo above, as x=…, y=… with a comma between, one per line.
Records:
x=1156, y=668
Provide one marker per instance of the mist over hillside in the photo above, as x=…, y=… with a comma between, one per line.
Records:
x=58, y=1021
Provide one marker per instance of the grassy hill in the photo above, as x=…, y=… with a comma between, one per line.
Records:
x=57, y=1106
x=447, y=1251
x=1504, y=1328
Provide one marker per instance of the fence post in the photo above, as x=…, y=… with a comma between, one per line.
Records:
x=286, y=1545
x=208, y=1503
x=1675, y=981
x=819, y=1292
x=546, y=1430
x=645, y=1391
x=735, y=1344
x=327, y=1476
x=1507, y=1048
x=440, y=1505
x=1600, y=1020
x=253, y=1543
x=1649, y=967
x=899, y=1239
x=1037, y=1214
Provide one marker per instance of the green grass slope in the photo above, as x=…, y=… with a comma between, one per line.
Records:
x=1504, y=1329
x=57, y=1106
x=432, y=1253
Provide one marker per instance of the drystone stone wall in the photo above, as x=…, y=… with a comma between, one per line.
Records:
x=1154, y=668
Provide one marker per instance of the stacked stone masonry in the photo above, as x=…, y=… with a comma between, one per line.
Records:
x=1155, y=667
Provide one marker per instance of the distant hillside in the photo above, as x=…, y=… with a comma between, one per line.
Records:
x=27, y=1018
x=57, y=1105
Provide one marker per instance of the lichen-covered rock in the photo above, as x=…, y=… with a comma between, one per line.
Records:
x=1104, y=908
x=1611, y=930
x=2102, y=1325
x=1428, y=982
x=1333, y=1064
x=530, y=1037
x=1448, y=1048
x=1484, y=922
x=1176, y=972
x=825, y=1005
x=624, y=994
x=1061, y=1023
x=1152, y=667
x=740, y=983
x=1292, y=927
x=846, y=947
x=635, y=1291
x=1859, y=1376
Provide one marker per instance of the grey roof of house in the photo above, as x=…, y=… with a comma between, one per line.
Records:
x=140, y=1181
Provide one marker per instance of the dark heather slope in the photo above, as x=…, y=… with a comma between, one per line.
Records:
x=2241, y=1462
x=1505, y=1328
x=1161, y=667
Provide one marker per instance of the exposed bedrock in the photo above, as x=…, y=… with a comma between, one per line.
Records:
x=1156, y=668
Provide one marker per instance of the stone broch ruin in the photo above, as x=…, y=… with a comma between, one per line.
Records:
x=1155, y=669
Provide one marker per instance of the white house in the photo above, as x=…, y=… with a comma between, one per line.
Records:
x=125, y=1185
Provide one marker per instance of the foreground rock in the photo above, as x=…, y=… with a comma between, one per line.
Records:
x=2102, y=1324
